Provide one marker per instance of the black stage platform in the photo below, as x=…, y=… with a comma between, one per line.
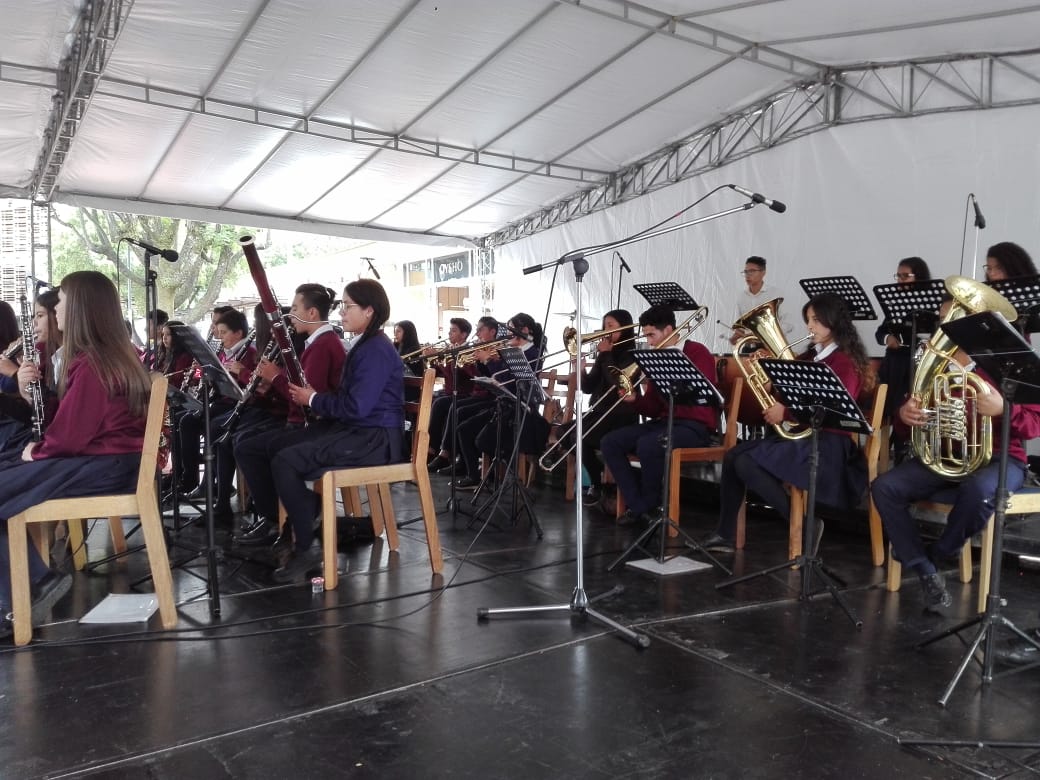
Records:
x=387, y=677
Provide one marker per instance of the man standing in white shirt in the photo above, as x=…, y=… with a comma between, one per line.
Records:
x=755, y=294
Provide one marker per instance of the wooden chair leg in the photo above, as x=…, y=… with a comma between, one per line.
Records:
x=77, y=543
x=376, y=510
x=985, y=564
x=329, y=537
x=389, y=519
x=351, y=497
x=673, y=494
x=964, y=568
x=741, y=526
x=21, y=600
x=877, y=535
x=894, y=576
x=433, y=539
x=159, y=563
x=41, y=537
x=794, y=533
x=115, y=526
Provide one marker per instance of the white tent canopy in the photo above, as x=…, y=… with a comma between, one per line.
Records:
x=538, y=126
x=435, y=119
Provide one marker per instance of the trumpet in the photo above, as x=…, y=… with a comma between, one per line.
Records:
x=440, y=345
x=466, y=357
x=626, y=380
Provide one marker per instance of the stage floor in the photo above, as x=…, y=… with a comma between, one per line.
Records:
x=392, y=675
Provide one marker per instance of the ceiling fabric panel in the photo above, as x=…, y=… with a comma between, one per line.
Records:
x=293, y=110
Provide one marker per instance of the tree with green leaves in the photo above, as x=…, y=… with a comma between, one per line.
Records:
x=210, y=257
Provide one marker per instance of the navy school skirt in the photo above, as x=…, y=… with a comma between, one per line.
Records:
x=842, y=474
x=23, y=485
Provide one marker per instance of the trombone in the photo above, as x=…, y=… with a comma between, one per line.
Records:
x=440, y=345
x=572, y=345
x=626, y=380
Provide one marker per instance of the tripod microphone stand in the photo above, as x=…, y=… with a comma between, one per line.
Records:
x=578, y=606
x=815, y=395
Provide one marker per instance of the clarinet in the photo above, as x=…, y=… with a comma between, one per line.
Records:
x=247, y=392
x=273, y=310
x=29, y=353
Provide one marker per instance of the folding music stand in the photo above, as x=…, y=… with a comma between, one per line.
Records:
x=848, y=288
x=214, y=376
x=814, y=394
x=528, y=391
x=1024, y=294
x=911, y=302
x=1007, y=357
x=674, y=375
x=667, y=294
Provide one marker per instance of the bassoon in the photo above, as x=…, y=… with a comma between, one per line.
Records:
x=273, y=310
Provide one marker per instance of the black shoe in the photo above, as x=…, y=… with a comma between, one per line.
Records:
x=283, y=541
x=6, y=623
x=437, y=464
x=47, y=592
x=299, y=566
x=466, y=483
x=629, y=518
x=1019, y=652
x=258, y=532
x=936, y=598
x=717, y=543
x=197, y=494
x=591, y=496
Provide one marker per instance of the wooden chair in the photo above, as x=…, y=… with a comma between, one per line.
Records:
x=714, y=454
x=871, y=450
x=1025, y=502
x=143, y=503
x=378, y=479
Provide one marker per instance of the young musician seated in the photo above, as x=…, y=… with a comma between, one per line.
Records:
x=692, y=425
x=764, y=465
x=93, y=444
x=440, y=412
x=613, y=351
x=972, y=498
x=321, y=359
x=360, y=423
x=526, y=335
x=239, y=358
x=15, y=412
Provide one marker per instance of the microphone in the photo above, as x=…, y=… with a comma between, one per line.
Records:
x=756, y=197
x=166, y=254
x=623, y=263
x=371, y=267
x=516, y=332
x=980, y=221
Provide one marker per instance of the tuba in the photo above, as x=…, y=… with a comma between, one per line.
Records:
x=764, y=325
x=956, y=440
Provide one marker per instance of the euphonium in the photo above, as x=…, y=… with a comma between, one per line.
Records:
x=764, y=325
x=956, y=440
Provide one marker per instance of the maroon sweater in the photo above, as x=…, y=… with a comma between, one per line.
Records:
x=653, y=404
x=88, y=421
x=322, y=363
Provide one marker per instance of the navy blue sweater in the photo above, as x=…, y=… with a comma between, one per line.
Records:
x=371, y=390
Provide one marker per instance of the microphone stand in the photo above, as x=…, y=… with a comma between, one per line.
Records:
x=579, y=603
x=622, y=267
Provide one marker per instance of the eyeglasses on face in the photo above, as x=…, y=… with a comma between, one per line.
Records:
x=751, y=272
x=903, y=276
x=343, y=306
x=990, y=269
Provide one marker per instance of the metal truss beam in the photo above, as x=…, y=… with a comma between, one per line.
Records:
x=844, y=95
x=300, y=124
x=93, y=38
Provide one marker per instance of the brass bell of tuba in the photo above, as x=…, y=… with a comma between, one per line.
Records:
x=956, y=440
x=764, y=325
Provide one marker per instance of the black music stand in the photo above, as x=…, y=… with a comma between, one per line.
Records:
x=1024, y=294
x=667, y=294
x=214, y=376
x=814, y=394
x=528, y=391
x=848, y=288
x=1007, y=357
x=674, y=375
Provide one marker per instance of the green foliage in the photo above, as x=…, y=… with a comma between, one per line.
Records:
x=210, y=257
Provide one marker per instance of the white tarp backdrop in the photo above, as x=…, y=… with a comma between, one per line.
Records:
x=859, y=198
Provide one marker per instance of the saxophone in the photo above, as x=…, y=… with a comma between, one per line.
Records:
x=34, y=388
x=956, y=440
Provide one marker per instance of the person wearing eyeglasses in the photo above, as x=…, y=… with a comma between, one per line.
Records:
x=896, y=337
x=755, y=294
